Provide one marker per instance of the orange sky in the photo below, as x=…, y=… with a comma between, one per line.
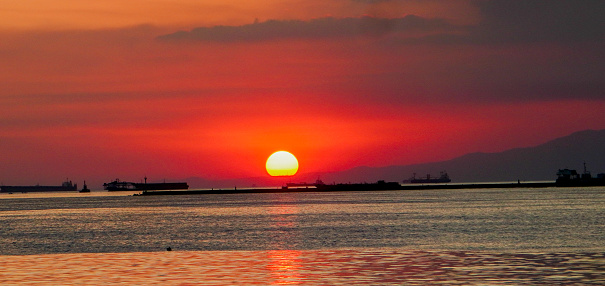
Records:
x=102, y=90
x=76, y=14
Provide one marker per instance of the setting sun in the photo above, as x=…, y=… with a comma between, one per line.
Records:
x=282, y=163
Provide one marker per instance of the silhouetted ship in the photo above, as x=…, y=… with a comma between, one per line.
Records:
x=67, y=186
x=443, y=178
x=571, y=178
x=118, y=185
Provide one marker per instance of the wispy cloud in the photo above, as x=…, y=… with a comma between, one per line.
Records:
x=327, y=27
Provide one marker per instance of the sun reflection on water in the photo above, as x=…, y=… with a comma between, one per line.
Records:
x=284, y=266
x=308, y=267
x=283, y=263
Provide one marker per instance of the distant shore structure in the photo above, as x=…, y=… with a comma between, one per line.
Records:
x=443, y=178
x=571, y=178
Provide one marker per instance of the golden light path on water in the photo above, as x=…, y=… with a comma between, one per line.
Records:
x=291, y=267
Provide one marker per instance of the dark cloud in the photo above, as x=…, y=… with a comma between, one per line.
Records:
x=519, y=50
x=502, y=21
x=528, y=21
x=538, y=20
x=327, y=27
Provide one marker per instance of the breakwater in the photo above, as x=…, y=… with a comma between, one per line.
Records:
x=355, y=187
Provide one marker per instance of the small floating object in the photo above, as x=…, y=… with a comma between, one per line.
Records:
x=168, y=249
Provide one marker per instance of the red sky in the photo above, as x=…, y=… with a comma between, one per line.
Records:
x=177, y=89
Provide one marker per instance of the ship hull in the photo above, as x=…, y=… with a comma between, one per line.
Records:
x=28, y=189
x=114, y=189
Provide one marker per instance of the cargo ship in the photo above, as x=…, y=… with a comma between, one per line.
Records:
x=443, y=178
x=67, y=186
x=118, y=185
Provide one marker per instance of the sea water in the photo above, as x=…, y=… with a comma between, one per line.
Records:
x=481, y=236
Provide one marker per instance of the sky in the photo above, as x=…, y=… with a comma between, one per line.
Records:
x=98, y=90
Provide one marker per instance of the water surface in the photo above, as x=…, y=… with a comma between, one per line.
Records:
x=524, y=236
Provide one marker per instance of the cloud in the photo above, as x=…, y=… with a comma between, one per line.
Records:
x=502, y=21
x=539, y=21
x=528, y=21
x=327, y=27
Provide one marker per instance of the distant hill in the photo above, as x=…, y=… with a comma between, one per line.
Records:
x=526, y=164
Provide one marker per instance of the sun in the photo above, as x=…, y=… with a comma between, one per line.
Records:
x=282, y=163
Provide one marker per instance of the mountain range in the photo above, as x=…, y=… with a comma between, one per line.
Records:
x=538, y=163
